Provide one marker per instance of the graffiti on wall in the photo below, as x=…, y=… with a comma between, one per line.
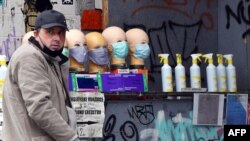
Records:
x=10, y=43
x=239, y=15
x=149, y=122
x=173, y=27
x=188, y=9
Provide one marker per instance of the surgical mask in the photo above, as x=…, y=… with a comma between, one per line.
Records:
x=65, y=52
x=142, y=51
x=120, y=49
x=78, y=53
x=99, y=56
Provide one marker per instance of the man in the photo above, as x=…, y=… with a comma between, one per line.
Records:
x=35, y=103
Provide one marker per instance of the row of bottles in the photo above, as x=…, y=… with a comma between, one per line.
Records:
x=219, y=79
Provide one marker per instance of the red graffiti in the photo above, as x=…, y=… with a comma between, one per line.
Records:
x=173, y=2
x=181, y=8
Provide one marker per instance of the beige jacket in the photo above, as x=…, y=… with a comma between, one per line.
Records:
x=34, y=99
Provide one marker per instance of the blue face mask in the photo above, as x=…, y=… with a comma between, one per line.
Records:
x=78, y=53
x=120, y=49
x=142, y=51
x=99, y=56
x=65, y=52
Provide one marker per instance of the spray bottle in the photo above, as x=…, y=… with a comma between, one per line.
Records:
x=231, y=73
x=180, y=77
x=195, y=73
x=211, y=73
x=166, y=74
x=3, y=70
x=221, y=74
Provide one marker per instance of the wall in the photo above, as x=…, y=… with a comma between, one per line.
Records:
x=12, y=23
x=186, y=27
x=155, y=120
x=233, y=36
x=173, y=26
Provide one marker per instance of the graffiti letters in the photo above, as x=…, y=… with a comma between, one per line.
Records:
x=9, y=44
x=240, y=15
x=144, y=114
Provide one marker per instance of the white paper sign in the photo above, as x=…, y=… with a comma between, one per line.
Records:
x=208, y=109
x=90, y=112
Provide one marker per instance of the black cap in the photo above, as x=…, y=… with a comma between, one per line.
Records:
x=50, y=18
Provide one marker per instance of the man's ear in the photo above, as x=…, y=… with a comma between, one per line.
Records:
x=35, y=33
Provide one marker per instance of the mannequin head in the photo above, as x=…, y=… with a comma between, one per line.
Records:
x=117, y=46
x=98, y=59
x=27, y=36
x=138, y=47
x=75, y=41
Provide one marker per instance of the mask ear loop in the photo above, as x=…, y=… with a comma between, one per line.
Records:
x=107, y=65
x=38, y=32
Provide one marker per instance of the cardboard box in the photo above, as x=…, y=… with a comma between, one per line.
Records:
x=83, y=82
x=135, y=82
x=128, y=82
x=110, y=82
x=141, y=71
x=119, y=71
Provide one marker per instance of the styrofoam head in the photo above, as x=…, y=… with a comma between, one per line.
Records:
x=112, y=35
x=73, y=37
x=136, y=36
x=95, y=40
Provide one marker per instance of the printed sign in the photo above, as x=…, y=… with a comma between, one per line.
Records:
x=89, y=107
x=208, y=109
x=236, y=109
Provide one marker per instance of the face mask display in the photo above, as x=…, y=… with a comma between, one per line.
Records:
x=120, y=49
x=142, y=51
x=99, y=56
x=78, y=53
x=65, y=52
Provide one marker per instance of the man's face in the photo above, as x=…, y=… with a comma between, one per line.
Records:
x=53, y=37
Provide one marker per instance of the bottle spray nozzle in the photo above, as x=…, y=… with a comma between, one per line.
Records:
x=229, y=58
x=208, y=57
x=178, y=57
x=220, y=58
x=196, y=58
x=2, y=59
x=163, y=58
